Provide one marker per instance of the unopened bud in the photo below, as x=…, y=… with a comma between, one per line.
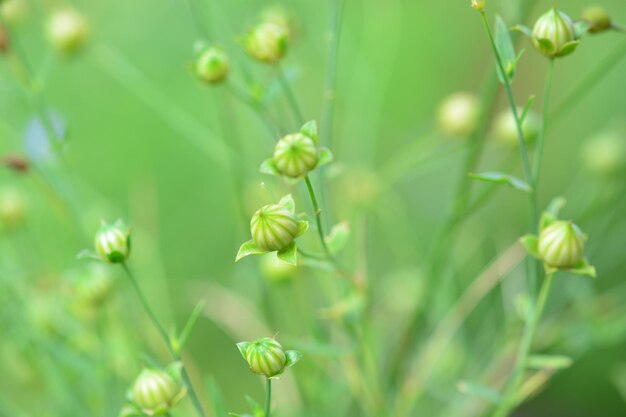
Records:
x=605, y=154
x=267, y=42
x=12, y=207
x=458, y=114
x=561, y=245
x=295, y=155
x=212, y=65
x=68, y=31
x=598, y=19
x=112, y=242
x=156, y=391
x=273, y=227
x=554, y=34
x=267, y=357
x=478, y=5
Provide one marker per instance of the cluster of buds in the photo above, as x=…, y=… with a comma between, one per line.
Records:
x=297, y=154
x=458, y=114
x=212, y=65
x=554, y=34
x=267, y=42
x=267, y=357
x=155, y=392
x=504, y=128
x=274, y=228
x=560, y=244
x=112, y=242
x=68, y=31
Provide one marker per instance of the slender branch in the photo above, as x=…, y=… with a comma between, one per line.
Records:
x=291, y=98
x=318, y=218
x=330, y=79
x=544, y=126
x=161, y=329
x=268, y=400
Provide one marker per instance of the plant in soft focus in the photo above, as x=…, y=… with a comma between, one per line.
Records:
x=155, y=392
x=504, y=128
x=604, y=154
x=267, y=42
x=598, y=19
x=112, y=242
x=12, y=207
x=458, y=114
x=68, y=31
x=212, y=65
x=554, y=34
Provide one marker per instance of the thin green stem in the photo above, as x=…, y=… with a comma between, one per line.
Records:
x=544, y=126
x=330, y=78
x=508, y=402
x=291, y=98
x=268, y=400
x=318, y=218
x=163, y=333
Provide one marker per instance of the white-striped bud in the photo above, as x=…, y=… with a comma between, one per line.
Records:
x=295, y=155
x=212, y=66
x=155, y=391
x=273, y=227
x=267, y=42
x=267, y=357
x=554, y=34
x=112, y=242
x=68, y=31
x=561, y=245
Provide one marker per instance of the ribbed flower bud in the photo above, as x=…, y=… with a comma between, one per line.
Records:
x=598, y=19
x=113, y=242
x=295, y=155
x=267, y=42
x=554, y=34
x=478, y=5
x=273, y=227
x=267, y=357
x=212, y=65
x=504, y=128
x=68, y=31
x=561, y=244
x=155, y=391
x=458, y=114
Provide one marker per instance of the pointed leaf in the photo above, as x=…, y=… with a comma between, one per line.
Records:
x=293, y=356
x=568, y=48
x=303, y=226
x=506, y=50
x=478, y=390
x=549, y=362
x=249, y=248
x=193, y=318
x=310, y=129
x=243, y=348
x=524, y=30
x=269, y=167
x=88, y=254
x=326, y=157
x=501, y=178
x=338, y=237
x=288, y=203
x=531, y=243
x=529, y=104
x=546, y=46
x=289, y=254
x=583, y=268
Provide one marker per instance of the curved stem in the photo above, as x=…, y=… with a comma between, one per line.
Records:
x=293, y=103
x=509, y=401
x=268, y=400
x=161, y=329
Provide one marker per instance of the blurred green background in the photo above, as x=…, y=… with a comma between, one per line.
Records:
x=148, y=143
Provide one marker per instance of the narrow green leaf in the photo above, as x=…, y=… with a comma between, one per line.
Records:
x=88, y=254
x=193, y=318
x=549, y=362
x=293, y=356
x=506, y=50
x=243, y=348
x=583, y=268
x=249, y=248
x=269, y=167
x=568, y=48
x=478, y=390
x=531, y=243
x=501, y=178
x=326, y=157
x=289, y=254
x=303, y=226
x=338, y=237
x=310, y=129
x=524, y=30
x=527, y=107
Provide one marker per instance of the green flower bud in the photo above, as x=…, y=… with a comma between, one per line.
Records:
x=458, y=114
x=273, y=227
x=13, y=11
x=267, y=42
x=554, y=34
x=212, y=65
x=598, y=19
x=155, y=391
x=295, y=155
x=561, y=245
x=605, y=154
x=113, y=242
x=12, y=207
x=478, y=5
x=275, y=270
x=504, y=128
x=68, y=31
x=267, y=357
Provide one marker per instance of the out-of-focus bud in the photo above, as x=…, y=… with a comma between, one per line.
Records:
x=93, y=285
x=278, y=16
x=478, y=5
x=16, y=163
x=598, y=19
x=273, y=227
x=212, y=65
x=605, y=154
x=267, y=42
x=267, y=357
x=12, y=207
x=561, y=244
x=68, y=31
x=554, y=34
x=295, y=155
x=504, y=128
x=458, y=114
x=156, y=391
x=4, y=40
x=13, y=11
x=112, y=242
x=275, y=270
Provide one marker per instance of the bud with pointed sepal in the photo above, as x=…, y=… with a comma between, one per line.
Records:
x=458, y=114
x=156, y=391
x=267, y=42
x=68, y=31
x=267, y=357
x=274, y=228
x=554, y=34
x=112, y=242
x=212, y=66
